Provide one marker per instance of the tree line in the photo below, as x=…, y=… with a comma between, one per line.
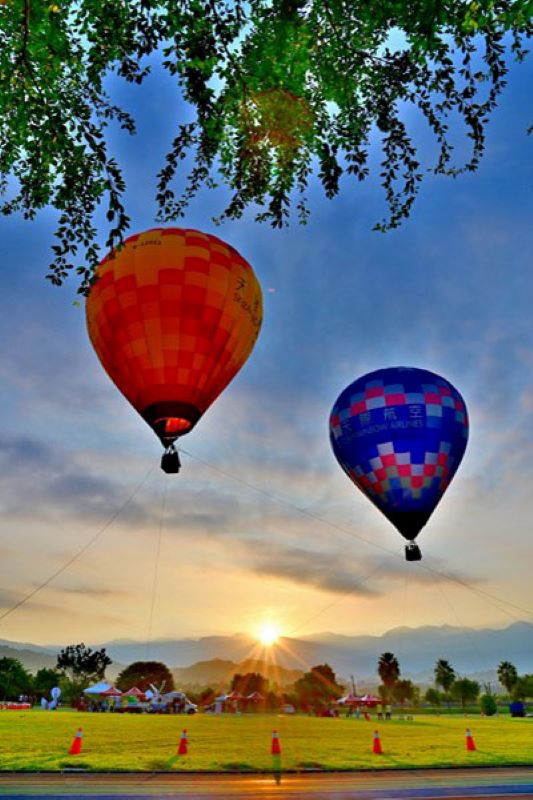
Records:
x=78, y=666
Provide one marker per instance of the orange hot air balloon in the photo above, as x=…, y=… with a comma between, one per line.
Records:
x=173, y=316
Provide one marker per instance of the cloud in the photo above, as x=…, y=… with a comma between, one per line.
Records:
x=42, y=482
x=94, y=592
x=8, y=598
x=74, y=496
x=22, y=453
x=49, y=368
x=82, y=495
x=331, y=572
x=526, y=399
x=340, y=572
x=209, y=510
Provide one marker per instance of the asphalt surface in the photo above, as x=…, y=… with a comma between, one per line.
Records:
x=460, y=784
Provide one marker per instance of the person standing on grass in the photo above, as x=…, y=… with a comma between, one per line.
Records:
x=388, y=711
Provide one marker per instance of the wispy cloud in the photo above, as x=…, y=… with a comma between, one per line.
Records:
x=339, y=571
x=327, y=571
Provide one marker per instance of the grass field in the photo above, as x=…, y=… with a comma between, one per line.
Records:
x=37, y=740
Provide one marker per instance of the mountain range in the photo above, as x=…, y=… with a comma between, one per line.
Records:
x=218, y=673
x=214, y=658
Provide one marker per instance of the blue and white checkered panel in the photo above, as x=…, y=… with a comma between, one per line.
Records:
x=400, y=435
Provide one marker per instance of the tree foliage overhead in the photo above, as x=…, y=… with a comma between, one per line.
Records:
x=279, y=88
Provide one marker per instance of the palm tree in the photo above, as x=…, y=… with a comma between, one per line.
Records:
x=444, y=675
x=507, y=675
x=388, y=669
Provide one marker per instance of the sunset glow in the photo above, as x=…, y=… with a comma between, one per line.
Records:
x=268, y=634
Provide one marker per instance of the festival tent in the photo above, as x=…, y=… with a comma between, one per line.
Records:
x=234, y=696
x=134, y=692
x=98, y=688
x=370, y=700
x=351, y=700
x=111, y=692
x=255, y=697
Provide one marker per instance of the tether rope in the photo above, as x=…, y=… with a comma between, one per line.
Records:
x=352, y=535
x=156, y=567
x=338, y=600
x=80, y=552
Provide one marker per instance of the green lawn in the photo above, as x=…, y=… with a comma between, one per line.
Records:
x=37, y=740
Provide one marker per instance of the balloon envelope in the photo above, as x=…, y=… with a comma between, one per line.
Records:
x=400, y=434
x=173, y=316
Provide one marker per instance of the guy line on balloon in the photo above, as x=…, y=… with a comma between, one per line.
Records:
x=174, y=314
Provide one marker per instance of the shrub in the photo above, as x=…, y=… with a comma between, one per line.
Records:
x=488, y=705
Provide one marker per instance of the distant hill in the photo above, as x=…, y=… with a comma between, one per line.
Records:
x=218, y=673
x=470, y=650
x=35, y=657
x=183, y=652
x=32, y=659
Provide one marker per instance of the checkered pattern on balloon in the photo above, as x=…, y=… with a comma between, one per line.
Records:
x=400, y=442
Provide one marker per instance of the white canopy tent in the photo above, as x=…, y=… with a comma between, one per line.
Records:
x=98, y=688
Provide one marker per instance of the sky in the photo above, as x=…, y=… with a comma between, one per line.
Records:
x=261, y=524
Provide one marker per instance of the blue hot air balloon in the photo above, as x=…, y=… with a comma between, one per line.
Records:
x=400, y=434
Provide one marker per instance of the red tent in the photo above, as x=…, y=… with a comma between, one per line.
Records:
x=111, y=692
x=351, y=700
x=134, y=692
x=370, y=700
x=255, y=697
x=235, y=696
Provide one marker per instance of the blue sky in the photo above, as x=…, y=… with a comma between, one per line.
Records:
x=450, y=291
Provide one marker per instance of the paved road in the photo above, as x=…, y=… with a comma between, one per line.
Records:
x=459, y=784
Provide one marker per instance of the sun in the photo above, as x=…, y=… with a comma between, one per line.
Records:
x=268, y=634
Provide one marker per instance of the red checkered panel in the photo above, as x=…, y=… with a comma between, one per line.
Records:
x=173, y=316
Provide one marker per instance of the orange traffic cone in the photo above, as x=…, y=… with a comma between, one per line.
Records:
x=276, y=747
x=75, y=747
x=182, y=749
x=376, y=746
x=470, y=744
